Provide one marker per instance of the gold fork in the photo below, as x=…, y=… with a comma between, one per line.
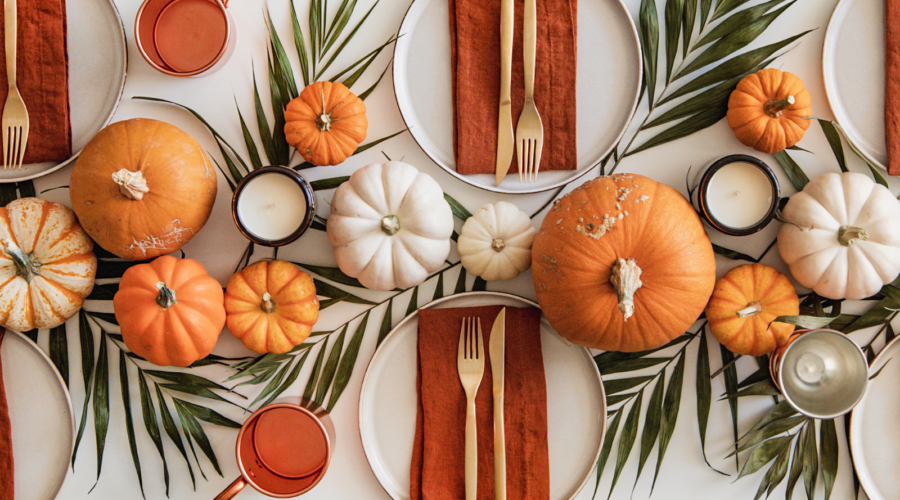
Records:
x=14, y=122
x=530, y=130
x=470, y=363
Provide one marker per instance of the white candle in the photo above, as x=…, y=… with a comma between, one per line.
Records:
x=272, y=206
x=739, y=195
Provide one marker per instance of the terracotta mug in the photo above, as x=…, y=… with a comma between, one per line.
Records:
x=283, y=449
x=185, y=37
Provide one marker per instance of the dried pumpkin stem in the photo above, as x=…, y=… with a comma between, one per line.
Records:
x=752, y=309
x=166, y=297
x=498, y=245
x=626, y=279
x=848, y=235
x=131, y=184
x=774, y=108
x=390, y=224
x=26, y=266
x=267, y=304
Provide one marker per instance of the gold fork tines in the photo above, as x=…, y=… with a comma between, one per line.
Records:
x=470, y=363
x=530, y=129
x=14, y=121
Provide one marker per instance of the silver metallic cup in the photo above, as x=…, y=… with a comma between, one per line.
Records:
x=821, y=373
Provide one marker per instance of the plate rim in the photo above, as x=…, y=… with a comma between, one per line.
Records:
x=854, y=427
x=837, y=16
x=46, y=359
x=561, y=184
x=486, y=293
x=105, y=122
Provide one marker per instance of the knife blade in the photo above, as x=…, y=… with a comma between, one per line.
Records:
x=505, y=138
x=497, y=351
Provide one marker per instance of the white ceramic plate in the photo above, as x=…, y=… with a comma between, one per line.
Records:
x=853, y=66
x=576, y=403
x=875, y=428
x=41, y=416
x=608, y=83
x=97, y=63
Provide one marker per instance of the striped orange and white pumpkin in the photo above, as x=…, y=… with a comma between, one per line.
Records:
x=47, y=264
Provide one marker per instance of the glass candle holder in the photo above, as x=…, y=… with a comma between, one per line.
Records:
x=272, y=206
x=821, y=373
x=738, y=195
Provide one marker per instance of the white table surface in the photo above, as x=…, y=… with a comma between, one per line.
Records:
x=219, y=246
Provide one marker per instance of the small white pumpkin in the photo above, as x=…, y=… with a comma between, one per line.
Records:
x=47, y=264
x=842, y=238
x=495, y=243
x=390, y=226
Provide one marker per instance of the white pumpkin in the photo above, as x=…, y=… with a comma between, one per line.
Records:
x=390, y=226
x=495, y=243
x=47, y=264
x=842, y=238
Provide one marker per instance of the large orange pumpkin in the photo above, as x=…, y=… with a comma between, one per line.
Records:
x=743, y=305
x=271, y=306
x=622, y=264
x=142, y=188
x=170, y=311
x=326, y=123
x=769, y=110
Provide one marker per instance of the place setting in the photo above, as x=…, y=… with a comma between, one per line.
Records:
x=364, y=273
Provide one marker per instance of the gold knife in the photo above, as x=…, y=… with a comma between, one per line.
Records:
x=497, y=350
x=505, y=138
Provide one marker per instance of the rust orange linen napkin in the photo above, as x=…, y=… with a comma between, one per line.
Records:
x=42, y=76
x=6, y=457
x=438, y=460
x=475, y=69
x=892, y=87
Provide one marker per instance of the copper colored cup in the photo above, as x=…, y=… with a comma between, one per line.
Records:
x=184, y=37
x=283, y=449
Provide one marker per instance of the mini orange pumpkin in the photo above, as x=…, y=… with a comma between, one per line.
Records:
x=170, y=311
x=142, y=188
x=326, y=123
x=622, y=263
x=271, y=306
x=769, y=110
x=743, y=305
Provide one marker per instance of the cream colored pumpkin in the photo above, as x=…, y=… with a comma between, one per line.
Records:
x=390, y=226
x=842, y=239
x=47, y=264
x=495, y=243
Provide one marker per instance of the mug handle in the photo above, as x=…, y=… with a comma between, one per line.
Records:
x=232, y=489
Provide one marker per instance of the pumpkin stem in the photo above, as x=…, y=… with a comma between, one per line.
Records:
x=626, y=279
x=774, y=108
x=390, y=224
x=26, y=266
x=498, y=245
x=131, y=184
x=323, y=120
x=166, y=297
x=847, y=235
x=267, y=304
x=752, y=309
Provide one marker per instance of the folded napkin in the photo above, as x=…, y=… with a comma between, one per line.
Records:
x=438, y=461
x=6, y=458
x=475, y=66
x=892, y=87
x=42, y=76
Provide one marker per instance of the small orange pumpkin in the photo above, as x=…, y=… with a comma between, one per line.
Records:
x=170, y=311
x=769, y=110
x=743, y=305
x=271, y=306
x=622, y=263
x=326, y=123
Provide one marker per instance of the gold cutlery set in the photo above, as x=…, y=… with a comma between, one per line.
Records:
x=529, y=137
x=470, y=362
x=14, y=121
